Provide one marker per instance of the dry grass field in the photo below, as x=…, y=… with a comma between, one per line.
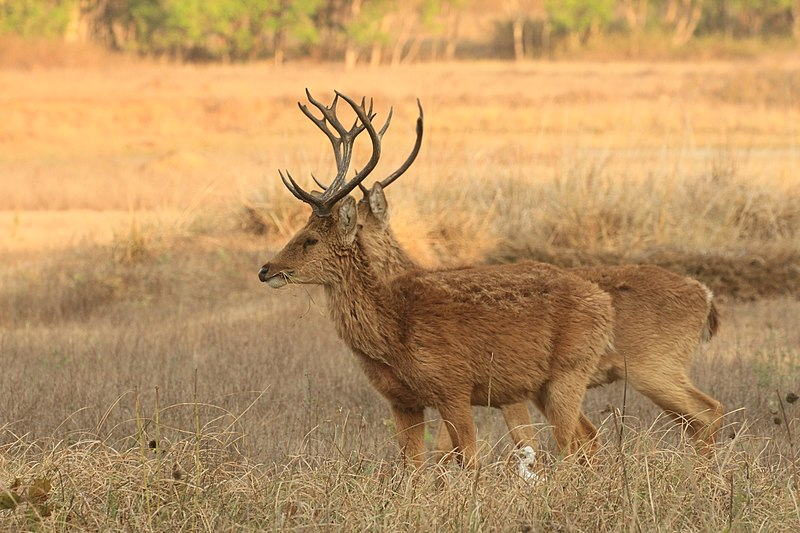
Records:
x=151, y=383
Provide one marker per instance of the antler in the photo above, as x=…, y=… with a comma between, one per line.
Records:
x=394, y=175
x=342, y=150
x=410, y=159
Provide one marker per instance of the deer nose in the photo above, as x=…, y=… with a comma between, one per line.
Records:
x=263, y=274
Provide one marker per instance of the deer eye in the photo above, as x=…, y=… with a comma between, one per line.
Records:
x=311, y=241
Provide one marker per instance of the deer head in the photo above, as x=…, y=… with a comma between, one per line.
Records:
x=311, y=255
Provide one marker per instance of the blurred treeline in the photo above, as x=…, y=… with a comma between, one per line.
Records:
x=396, y=31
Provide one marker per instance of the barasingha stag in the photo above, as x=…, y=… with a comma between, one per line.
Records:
x=660, y=320
x=449, y=339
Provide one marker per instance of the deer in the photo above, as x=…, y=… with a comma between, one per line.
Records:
x=447, y=338
x=660, y=320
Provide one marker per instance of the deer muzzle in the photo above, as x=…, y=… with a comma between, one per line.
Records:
x=275, y=278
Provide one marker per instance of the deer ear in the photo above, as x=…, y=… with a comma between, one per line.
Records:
x=348, y=216
x=378, y=205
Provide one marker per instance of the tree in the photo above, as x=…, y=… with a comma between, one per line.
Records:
x=291, y=18
x=34, y=18
x=579, y=19
x=520, y=11
x=751, y=15
x=682, y=18
x=636, y=18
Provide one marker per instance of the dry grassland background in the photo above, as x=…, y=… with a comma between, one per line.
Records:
x=150, y=382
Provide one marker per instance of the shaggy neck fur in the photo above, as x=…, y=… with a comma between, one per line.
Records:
x=357, y=305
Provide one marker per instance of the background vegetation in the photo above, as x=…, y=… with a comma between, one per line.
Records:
x=394, y=31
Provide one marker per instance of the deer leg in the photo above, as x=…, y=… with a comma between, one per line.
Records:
x=560, y=403
x=443, y=445
x=676, y=395
x=518, y=421
x=457, y=418
x=410, y=426
x=586, y=433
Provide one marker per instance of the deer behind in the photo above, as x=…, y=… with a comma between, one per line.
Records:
x=660, y=319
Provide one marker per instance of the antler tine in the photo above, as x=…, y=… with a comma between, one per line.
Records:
x=411, y=157
x=322, y=125
x=299, y=193
x=322, y=186
x=329, y=114
x=386, y=124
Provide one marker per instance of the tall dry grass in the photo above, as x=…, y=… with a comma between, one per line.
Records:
x=150, y=383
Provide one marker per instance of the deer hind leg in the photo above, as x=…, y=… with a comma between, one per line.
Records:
x=410, y=426
x=586, y=433
x=443, y=445
x=676, y=395
x=457, y=418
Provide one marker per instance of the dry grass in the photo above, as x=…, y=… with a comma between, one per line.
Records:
x=139, y=201
x=269, y=425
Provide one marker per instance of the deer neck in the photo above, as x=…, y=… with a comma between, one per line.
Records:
x=387, y=257
x=396, y=259
x=358, y=304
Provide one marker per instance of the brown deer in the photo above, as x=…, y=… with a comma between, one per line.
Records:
x=660, y=319
x=448, y=339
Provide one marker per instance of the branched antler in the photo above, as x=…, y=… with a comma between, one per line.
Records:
x=342, y=141
x=397, y=173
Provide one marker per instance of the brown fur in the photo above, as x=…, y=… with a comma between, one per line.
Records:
x=449, y=339
x=660, y=318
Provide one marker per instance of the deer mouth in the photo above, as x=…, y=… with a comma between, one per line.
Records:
x=275, y=281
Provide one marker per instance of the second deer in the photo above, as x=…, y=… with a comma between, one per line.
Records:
x=660, y=320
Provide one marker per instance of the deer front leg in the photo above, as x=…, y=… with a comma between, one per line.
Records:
x=410, y=426
x=457, y=417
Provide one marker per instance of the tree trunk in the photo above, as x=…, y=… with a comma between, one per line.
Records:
x=451, y=33
x=401, y=41
x=413, y=50
x=686, y=24
x=350, y=56
x=351, y=47
x=796, y=19
x=280, y=47
x=547, y=30
x=636, y=16
x=375, y=54
x=517, y=27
